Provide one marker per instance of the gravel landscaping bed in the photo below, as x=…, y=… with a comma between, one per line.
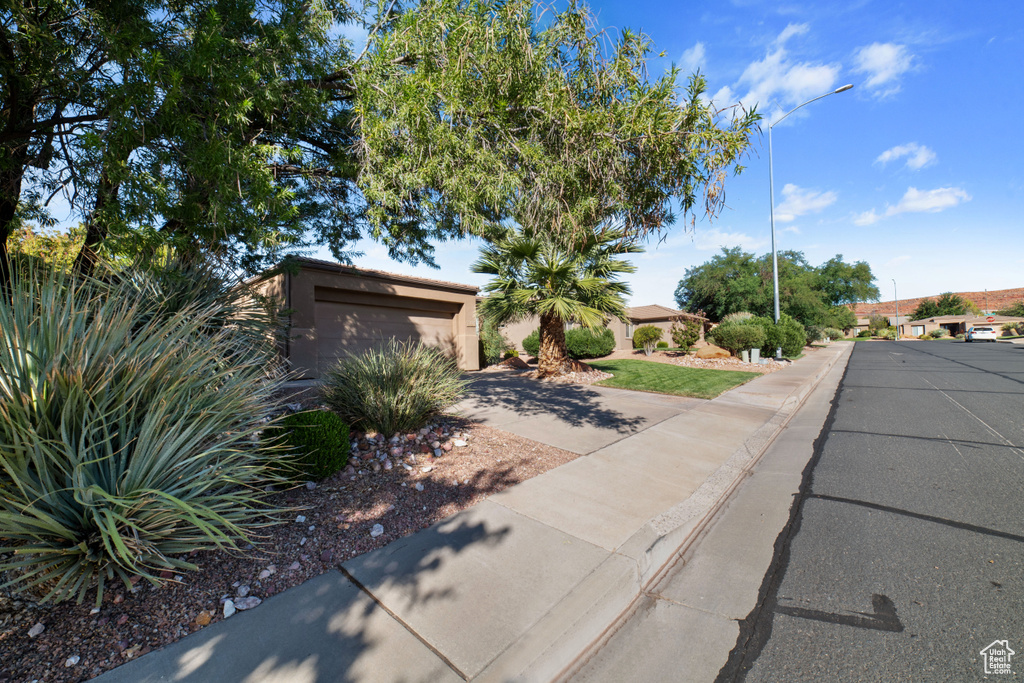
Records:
x=392, y=489
x=677, y=358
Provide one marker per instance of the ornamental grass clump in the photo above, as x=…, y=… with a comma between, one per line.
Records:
x=127, y=440
x=396, y=387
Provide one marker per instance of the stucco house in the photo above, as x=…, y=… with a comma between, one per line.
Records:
x=659, y=316
x=332, y=310
x=957, y=324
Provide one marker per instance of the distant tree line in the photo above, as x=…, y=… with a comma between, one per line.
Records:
x=737, y=281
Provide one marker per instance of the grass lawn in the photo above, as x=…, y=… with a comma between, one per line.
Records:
x=662, y=378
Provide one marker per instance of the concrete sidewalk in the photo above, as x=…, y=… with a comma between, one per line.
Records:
x=515, y=588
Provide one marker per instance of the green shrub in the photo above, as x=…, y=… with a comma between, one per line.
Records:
x=737, y=317
x=738, y=336
x=961, y=336
x=939, y=333
x=814, y=333
x=864, y=334
x=834, y=333
x=319, y=440
x=510, y=353
x=532, y=343
x=788, y=335
x=128, y=436
x=663, y=345
x=888, y=333
x=394, y=388
x=685, y=332
x=492, y=342
x=794, y=336
x=645, y=337
x=582, y=342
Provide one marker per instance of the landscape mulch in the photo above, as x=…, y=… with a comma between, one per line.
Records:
x=340, y=513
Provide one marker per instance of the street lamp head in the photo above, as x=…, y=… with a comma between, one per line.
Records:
x=843, y=89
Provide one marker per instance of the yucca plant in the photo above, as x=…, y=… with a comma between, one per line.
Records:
x=127, y=439
x=393, y=388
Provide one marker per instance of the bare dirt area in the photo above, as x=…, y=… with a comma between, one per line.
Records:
x=392, y=489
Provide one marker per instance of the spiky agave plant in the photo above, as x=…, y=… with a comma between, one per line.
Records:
x=127, y=440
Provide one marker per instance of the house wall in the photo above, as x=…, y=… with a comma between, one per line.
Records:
x=516, y=332
x=333, y=312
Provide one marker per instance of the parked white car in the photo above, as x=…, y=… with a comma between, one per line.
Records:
x=982, y=334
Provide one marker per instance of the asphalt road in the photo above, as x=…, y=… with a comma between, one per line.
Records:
x=904, y=553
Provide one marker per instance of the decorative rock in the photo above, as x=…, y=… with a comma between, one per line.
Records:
x=301, y=519
x=326, y=556
x=446, y=446
x=424, y=431
x=712, y=352
x=396, y=452
x=203, y=618
x=294, y=407
x=118, y=599
x=236, y=584
x=377, y=530
x=71, y=661
x=229, y=608
x=407, y=466
x=36, y=630
x=311, y=485
x=303, y=558
x=302, y=541
x=438, y=452
x=122, y=620
x=435, y=444
x=247, y=603
x=376, y=467
x=350, y=470
x=418, y=487
x=243, y=590
x=460, y=443
x=388, y=465
x=426, y=469
x=410, y=437
x=295, y=566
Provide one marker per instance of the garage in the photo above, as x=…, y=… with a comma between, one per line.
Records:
x=334, y=310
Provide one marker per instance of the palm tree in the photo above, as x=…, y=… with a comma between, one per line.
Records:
x=560, y=282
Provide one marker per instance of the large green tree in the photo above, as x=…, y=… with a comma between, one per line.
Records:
x=540, y=274
x=213, y=125
x=474, y=112
x=948, y=303
x=736, y=281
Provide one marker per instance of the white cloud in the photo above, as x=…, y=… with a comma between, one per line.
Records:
x=899, y=260
x=793, y=229
x=928, y=201
x=884, y=64
x=790, y=31
x=866, y=218
x=693, y=59
x=798, y=201
x=918, y=156
x=917, y=201
x=714, y=239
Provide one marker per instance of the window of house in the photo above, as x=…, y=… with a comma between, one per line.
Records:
x=629, y=330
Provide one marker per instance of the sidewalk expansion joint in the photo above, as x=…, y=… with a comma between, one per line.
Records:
x=358, y=584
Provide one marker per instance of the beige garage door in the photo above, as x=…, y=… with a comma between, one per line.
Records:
x=345, y=328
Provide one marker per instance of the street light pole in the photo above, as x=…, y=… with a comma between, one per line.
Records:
x=771, y=190
x=897, y=297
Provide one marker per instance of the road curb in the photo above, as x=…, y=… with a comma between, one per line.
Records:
x=562, y=640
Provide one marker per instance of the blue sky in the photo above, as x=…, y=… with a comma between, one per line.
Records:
x=916, y=170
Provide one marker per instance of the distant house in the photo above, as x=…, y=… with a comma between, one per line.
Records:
x=659, y=316
x=958, y=324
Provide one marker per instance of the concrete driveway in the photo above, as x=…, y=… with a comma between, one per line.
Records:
x=577, y=418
